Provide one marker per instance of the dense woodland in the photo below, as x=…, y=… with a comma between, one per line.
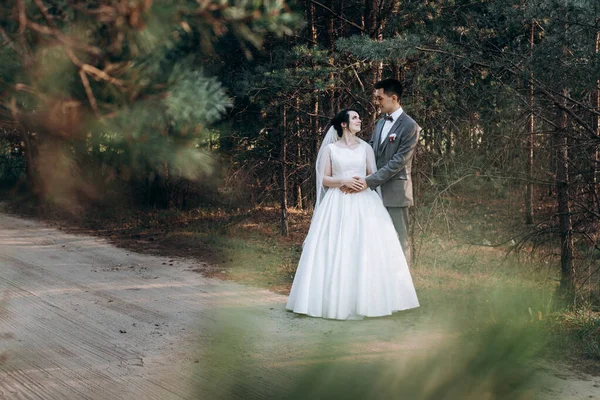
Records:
x=183, y=104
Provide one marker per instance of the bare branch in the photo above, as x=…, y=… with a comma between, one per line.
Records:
x=22, y=17
x=362, y=86
x=63, y=38
x=21, y=87
x=44, y=12
x=88, y=91
x=6, y=38
x=340, y=17
x=90, y=69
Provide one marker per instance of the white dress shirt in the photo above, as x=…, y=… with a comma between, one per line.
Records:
x=387, y=126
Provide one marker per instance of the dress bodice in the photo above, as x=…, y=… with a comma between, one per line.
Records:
x=348, y=162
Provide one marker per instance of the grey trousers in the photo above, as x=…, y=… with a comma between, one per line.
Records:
x=400, y=218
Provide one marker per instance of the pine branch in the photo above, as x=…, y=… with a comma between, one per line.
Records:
x=452, y=54
x=558, y=103
x=541, y=87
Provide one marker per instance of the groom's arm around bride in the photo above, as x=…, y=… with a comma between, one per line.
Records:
x=398, y=166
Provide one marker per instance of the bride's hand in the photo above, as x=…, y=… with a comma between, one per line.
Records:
x=352, y=185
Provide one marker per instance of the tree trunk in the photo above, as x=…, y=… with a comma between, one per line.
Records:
x=341, y=24
x=299, y=160
x=30, y=153
x=332, y=39
x=370, y=17
x=595, y=174
x=530, y=138
x=564, y=208
x=553, y=157
x=371, y=28
x=315, y=141
x=310, y=17
x=314, y=120
x=283, y=160
x=449, y=141
x=29, y=150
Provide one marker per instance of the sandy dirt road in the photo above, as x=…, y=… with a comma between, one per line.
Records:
x=82, y=319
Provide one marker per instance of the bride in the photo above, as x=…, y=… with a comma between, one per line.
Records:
x=352, y=264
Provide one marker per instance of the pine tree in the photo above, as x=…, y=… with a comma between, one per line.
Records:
x=110, y=90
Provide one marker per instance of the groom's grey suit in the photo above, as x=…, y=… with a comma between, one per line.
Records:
x=394, y=162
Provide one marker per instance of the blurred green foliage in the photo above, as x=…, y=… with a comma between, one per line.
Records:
x=125, y=90
x=495, y=361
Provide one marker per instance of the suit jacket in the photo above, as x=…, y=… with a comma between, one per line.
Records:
x=394, y=161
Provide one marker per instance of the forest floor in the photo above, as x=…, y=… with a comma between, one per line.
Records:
x=465, y=281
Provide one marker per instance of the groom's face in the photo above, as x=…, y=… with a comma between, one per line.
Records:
x=387, y=104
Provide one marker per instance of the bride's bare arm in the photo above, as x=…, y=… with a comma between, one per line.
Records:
x=330, y=181
x=371, y=168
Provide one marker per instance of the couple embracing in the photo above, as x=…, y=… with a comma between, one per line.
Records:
x=354, y=262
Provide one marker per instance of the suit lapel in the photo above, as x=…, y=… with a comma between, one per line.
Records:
x=377, y=135
x=395, y=128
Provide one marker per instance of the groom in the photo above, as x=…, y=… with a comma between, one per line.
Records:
x=394, y=141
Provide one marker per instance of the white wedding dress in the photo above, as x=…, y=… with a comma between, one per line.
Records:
x=352, y=264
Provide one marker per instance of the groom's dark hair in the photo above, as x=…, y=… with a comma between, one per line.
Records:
x=341, y=117
x=390, y=87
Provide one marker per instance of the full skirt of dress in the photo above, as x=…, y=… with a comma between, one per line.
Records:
x=352, y=264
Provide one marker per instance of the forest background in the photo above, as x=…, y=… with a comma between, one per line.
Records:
x=191, y=128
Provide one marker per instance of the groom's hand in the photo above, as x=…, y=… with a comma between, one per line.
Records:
x=363, y=183
x=352, y=186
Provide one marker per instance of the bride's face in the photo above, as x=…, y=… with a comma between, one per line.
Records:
x=354, y=122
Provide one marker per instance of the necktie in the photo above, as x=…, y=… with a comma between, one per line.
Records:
x=389, y=118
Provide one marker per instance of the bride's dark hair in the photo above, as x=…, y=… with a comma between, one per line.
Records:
x=341, y=117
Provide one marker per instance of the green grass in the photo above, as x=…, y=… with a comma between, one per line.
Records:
x=252, y=259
